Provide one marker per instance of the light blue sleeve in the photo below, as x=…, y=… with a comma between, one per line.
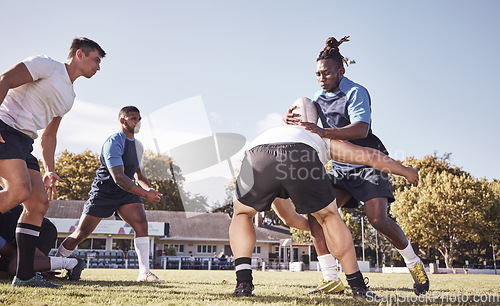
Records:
x=358, y=105
x=112, y=151
x=2, y=242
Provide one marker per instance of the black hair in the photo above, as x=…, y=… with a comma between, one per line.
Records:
x=126, y=109
x=86, y=45
x=331, y=51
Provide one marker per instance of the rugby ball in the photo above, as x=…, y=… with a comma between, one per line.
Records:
x=305, y=107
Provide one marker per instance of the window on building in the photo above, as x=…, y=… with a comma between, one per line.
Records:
x=86, y=244
x=179, y=248
x=206, y=249
x=98, y=243
x=122, y=244
x=256, y=250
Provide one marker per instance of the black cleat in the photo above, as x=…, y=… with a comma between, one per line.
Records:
x=75, y=273
x=243, y=289
x=363, y=292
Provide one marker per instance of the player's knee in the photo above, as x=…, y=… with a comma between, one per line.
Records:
x=37, y=206
x=378, y=222
x=141, y=230
x=14, y=197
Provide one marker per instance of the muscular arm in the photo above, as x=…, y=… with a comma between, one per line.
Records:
x=141, y=179
x=12, y=78
x=125, y=183
x=48, y=142
x=356, y=130
x=347, y=152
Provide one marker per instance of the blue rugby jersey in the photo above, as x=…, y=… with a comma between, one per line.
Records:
x=351, y=104
x=117, y=150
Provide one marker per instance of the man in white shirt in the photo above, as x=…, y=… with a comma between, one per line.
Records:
x=34, y=95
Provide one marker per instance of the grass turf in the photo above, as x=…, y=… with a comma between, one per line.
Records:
x=194, y=287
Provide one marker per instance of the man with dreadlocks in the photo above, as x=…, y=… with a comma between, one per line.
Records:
x=344, y=108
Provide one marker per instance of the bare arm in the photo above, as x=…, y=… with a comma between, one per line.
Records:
x=48, y=142
x=125, y=183
x=141, y=179
x=356, y=130
x=347, y=152
x=12, y=78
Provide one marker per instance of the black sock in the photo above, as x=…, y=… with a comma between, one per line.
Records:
x=243, y=269
x=355, y=280
x=26, y=239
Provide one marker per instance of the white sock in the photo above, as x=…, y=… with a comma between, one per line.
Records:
x=57, y=263
x=411, y=259
x=63, y=252
x=328, y=265
x=142, y=249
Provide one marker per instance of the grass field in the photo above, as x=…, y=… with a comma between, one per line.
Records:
x=193, y=287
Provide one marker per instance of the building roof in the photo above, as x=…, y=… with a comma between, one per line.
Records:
x=183, y=225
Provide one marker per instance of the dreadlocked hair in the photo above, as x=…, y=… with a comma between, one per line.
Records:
x=331, y=51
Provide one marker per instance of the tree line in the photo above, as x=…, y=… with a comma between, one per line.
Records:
x=79, y=170
x=450, y=215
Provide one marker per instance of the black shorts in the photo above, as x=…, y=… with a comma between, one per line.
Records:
x=104, y=205
x=364, y=183
x=285, y=171
x=17, y=146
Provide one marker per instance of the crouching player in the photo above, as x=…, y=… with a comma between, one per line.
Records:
x=42, y=262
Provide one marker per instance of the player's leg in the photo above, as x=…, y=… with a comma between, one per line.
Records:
x=43, y=263
x=48, y=237
x=16, y=183
x=242, y=241
x=135, y=216
x=376, y=212
x=330, y=283
x=27, y=232
x=286, y=212
x=339, y=240
x=86, y=226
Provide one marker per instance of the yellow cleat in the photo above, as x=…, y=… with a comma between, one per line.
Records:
x=420, y=279
x=330, y=286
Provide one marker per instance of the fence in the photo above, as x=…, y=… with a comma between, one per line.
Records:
x=101, y=259
x=196, y=263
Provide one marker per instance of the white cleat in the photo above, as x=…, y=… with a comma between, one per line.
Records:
x=149, y=278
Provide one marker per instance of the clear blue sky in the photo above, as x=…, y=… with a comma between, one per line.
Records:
x=431, y=67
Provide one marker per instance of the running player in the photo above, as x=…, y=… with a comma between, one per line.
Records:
x=287, y=162
x=34, y=95
x=344, y=108
x=114, y=190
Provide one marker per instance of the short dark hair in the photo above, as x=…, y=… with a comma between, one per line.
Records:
x=86, y=45
x=126, y=109
x=331, y=51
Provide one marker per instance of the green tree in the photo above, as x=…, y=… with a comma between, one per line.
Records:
x=167, y=178
x=78, y=173
x=300, y=236
x=447, y=208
